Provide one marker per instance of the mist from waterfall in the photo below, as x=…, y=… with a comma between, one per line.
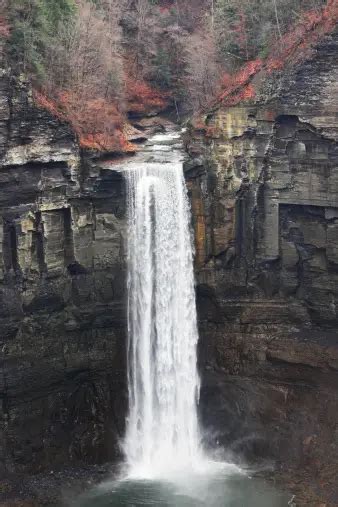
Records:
x=162, y=428
x=166, y=462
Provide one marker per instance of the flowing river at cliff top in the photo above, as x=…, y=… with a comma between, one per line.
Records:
x=166, y=464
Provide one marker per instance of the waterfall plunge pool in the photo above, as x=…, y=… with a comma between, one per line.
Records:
x=162, y=445
x=227, y=488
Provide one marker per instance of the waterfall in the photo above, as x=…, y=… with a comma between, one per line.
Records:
x=162, y=428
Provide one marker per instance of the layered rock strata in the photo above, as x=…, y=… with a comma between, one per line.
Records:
x=62, y=279
x=263, y=180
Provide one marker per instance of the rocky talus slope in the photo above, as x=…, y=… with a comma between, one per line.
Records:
x=263, y=180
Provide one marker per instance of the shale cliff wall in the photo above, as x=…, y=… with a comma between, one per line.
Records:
x=62, y=279
x=263, y=180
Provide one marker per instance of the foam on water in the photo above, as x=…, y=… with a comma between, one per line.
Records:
x=166, y=465
x=163, y=436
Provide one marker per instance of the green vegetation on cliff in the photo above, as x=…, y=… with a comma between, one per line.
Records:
x=34, y=26
x=94, y=61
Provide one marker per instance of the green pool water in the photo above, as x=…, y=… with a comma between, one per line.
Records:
x=221, y=490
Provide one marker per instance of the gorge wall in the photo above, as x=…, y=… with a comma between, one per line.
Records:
x=263, y=180
x=62, y=279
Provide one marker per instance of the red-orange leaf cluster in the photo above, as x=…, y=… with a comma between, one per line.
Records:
x=103, y=142
x=294, y=46
x=97, y=122
x=296, y=43
x=237, y=87
x=143, y=99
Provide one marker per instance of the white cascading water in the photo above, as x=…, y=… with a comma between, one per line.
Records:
x=162, y=428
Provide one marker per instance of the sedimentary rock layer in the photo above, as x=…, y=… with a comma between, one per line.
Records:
x=62, y=278
x=263, y=180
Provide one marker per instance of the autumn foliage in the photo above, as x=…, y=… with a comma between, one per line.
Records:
x=294, y=46
x=96, y=65
x=237, y=87
x=98, y=123
x=142, y=98
x=89, y=81
x=297, y=42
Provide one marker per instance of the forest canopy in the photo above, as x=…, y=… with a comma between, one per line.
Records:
x=94, y=61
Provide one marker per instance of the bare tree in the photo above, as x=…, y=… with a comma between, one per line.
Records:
x=143, y=29
x=202, y=72
x=86, y=56
x=277, y=18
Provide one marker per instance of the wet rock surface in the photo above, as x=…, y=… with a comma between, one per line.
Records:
x=263, y=181
x=63, y=312
x=62, y=279
x=52, y=489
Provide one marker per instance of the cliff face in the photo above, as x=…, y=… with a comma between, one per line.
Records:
x=263, y=180
x=62, y=278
